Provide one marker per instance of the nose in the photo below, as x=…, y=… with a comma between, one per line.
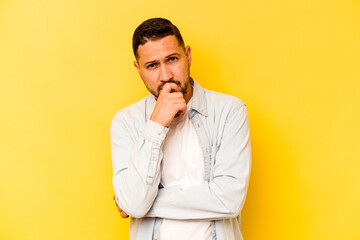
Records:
x=165, y=73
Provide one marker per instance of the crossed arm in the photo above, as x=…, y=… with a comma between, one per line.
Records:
x=137, y=175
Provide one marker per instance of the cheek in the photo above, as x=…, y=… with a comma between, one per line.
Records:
x=154, y=75
x=180, y=69
x=150, y=78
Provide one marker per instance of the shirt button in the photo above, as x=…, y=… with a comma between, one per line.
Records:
x=155, y=237
x=155, y=158
x=162, y=135
x=204, y=112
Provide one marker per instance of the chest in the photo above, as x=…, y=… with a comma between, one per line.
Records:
x=183, y=161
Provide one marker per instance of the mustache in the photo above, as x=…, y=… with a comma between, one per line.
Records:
x=170, y=81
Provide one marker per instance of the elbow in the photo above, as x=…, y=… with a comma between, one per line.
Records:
x=137, y=212
x=235, y=210
x=232, y=198
x=237, y=204
x=136, y=206
x=136, y=198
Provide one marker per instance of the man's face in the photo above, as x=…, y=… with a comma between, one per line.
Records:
x=163, y=61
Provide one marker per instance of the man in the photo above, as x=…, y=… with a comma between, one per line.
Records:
x=181, y=156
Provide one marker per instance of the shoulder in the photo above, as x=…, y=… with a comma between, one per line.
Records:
x=131, y=114
x=222, y=103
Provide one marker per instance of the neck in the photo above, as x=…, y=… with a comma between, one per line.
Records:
x=189, y=93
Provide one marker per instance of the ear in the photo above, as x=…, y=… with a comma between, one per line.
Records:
x=188, y=54
x=136, y=64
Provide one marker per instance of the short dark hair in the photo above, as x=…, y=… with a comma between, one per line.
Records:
x=154, y=29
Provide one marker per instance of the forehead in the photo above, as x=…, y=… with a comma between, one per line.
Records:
x=160, y=48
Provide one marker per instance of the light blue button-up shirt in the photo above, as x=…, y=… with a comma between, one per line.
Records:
x=222, y=125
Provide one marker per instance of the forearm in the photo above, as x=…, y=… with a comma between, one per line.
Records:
x=224, y=195
x=221, y=198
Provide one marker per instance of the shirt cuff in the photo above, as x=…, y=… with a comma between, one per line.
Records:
x=154, y=132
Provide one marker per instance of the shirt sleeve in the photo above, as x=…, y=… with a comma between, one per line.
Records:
x=136, y=165
x=224, y=195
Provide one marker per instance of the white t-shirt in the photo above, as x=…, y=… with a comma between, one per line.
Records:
x=183, y=166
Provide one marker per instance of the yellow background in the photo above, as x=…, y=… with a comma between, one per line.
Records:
x=66, y=69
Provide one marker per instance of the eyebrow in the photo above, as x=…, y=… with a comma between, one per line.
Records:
x=168, y=56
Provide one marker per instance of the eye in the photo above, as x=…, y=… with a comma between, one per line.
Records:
x=171, y=59
x=150, y=66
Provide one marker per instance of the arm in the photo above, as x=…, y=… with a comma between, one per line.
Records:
x=224, y=196
x=136, y=165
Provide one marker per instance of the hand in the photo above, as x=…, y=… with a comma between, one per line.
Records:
x=123, y=214
x=170, y=103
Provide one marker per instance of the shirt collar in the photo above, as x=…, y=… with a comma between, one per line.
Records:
x=198, y=100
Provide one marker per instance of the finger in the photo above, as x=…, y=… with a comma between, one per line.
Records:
x=119, y=209
x=124, y=214
x=179, y=108
x=179, y=95
x=169, y=87
x=182, y=109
